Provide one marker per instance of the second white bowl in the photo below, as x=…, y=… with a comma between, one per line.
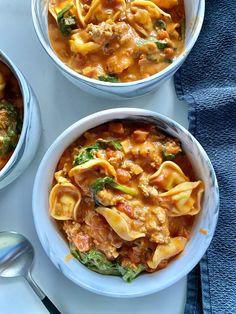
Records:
x=56, y=246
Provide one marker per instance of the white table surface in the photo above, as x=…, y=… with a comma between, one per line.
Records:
x=62, y=104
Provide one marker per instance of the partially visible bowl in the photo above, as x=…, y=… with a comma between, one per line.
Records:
x=55, y=245
x=30, y=132
x=194, y=10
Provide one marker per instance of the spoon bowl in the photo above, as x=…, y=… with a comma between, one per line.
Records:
x=16, y=255
x=16, y=259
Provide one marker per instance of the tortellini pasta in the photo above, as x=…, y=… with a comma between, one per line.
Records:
x=166, y=251
x=168, y=176
x=78, y=45
x=120, y=223
x=100, y=10
x=93, y=164
x=153, y=9
x=165, y=4
x=64, y=201
x=183, y=199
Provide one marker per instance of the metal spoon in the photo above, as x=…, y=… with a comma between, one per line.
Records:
x=16, y=258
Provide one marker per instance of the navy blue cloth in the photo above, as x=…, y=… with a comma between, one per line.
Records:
x=207, y=82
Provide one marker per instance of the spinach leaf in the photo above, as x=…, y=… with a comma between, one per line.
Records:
x=95, y=261
x=87, y=153
x=98, y=262
x=108, y=78
x=160, y=24
x=112, y=144
x=65, y=21
x=101, y=183
x=129, y=274
x=161, y=44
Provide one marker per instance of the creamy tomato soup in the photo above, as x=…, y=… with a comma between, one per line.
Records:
x=117, y=40
x=125, y=197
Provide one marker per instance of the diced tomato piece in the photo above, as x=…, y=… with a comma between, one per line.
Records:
x=123, y=176
x=83, y=242
x=140, y=136
x=162, y=34
x=126, y=208
x=116, y=127
x=169, y=53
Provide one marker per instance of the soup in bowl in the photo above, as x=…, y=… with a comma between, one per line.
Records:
x=117, y=41
x=20, y=123
x=118, y=49
x=132, y=198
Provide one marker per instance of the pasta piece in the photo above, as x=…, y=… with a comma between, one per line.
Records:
x=79, y=13
x=91, y=165
x=51, y=9
x=120, y=223
x=154, y=10
x=64, y=201
x=104, y=10
x=166, y=251
x=165, y=4
x=59, y=176
x=171, y=29
x=78, y=45
x=92, y=10
x=183, y=199
x=83, y=48
x=168, y=176
x=140, y=20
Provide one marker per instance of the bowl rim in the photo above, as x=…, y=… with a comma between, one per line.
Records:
x=64, y=135
x=25, y=96
x=196, y=28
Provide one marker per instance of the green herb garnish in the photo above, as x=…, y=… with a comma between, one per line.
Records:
x=98, y=262
x=168, y=156
x=87, y=153
x=65, y=21
x=161, y=44
x=108, y=78
x=160, y=24
x=168, y=60
x=101, y=183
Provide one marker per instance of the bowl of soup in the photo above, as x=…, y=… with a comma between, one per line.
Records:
x=125, y=207
x=120, y=48
x=20, y=124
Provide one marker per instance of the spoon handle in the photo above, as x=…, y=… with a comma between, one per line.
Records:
x=45, y=300
x=50, y=306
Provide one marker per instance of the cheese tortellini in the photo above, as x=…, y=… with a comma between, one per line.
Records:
x=183, y=199
x=64, y=201
x=120, y=223
x=166, y=251
x=168, y=176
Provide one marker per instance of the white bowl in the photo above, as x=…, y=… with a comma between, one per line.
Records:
x=30, y=133
x=57, y=248
x=194, y=10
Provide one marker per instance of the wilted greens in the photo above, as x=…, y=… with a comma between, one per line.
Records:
x=65, y=21
x=108, y=78
x=98, y=262
x=101, y=183
x=87, y=153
